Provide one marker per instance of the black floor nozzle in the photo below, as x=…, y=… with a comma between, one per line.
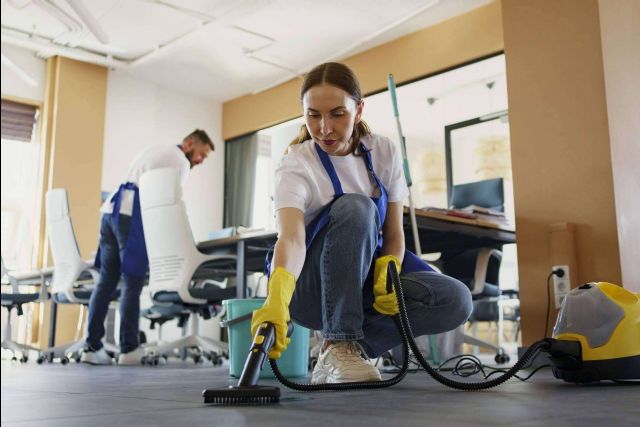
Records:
x=239, y=395
x=248, y=392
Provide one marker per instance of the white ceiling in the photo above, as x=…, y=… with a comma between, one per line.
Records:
x=217, y=48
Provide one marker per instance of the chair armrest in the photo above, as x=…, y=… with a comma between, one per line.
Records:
x=95, y=274
x=205, y=282
x=36, y=277
x=482, y=263
x=184, y=292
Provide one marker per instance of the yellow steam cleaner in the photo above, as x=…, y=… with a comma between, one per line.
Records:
x=602, y=322
x=596, y=337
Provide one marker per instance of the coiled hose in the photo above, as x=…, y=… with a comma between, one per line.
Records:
x=402, y=322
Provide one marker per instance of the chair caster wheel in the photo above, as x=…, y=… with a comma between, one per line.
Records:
x=40, y=360
x=24, y=359
x=502, y=358
x=14, y=359
x=198, y=360
x=216, y=360
x=150, y=360
x=64, y=360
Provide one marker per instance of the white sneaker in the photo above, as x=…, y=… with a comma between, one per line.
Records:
x=343, y=362
x=134, y=357
x=100, y=357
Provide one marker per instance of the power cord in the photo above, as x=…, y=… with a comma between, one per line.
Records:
x=468, y=365
x=557, y=272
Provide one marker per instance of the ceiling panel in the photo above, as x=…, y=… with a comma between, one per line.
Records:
x=217, y=48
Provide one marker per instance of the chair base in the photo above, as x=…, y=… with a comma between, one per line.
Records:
x=70, y=351
x=207, y=345
x=500, y=357
x=15, y=347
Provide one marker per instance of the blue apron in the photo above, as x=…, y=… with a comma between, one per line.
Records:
x=133, y=257
x=410, y=263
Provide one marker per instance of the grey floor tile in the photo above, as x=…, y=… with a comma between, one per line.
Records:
x=79, y=395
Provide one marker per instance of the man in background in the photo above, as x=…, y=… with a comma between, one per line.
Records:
x=122, y=251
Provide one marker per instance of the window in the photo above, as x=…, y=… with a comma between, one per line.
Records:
x=262, y=207
x=21, y=189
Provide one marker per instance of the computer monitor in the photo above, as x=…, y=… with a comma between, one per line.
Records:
x=488, y=193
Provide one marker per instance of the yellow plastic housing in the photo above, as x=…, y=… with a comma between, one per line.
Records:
x=625, y=339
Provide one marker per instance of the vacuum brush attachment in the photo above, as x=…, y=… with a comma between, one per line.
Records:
x=236, y=395
x=248, y=392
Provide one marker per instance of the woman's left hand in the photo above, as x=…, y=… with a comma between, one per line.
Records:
x=385, y=302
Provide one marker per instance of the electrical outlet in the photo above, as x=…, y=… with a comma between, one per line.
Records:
x=561, y=285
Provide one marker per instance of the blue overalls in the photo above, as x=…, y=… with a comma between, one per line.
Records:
x=126, y=261
x=133, y=260
x=410, y=263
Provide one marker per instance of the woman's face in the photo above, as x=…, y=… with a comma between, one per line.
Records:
x=330, y=114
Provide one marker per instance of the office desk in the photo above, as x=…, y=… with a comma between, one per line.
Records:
x=439, y=233
x=251, y=250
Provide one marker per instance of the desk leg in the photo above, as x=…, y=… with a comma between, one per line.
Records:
x=53, y=316
x=241, y=270
x=500, y=323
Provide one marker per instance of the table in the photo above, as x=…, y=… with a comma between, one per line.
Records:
x=448, y=234
x=251, y=250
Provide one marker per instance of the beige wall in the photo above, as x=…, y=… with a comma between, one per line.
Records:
x=73, y=129
x=620, y=32
x=560, y=147
x=450, y=43
x=76, y=144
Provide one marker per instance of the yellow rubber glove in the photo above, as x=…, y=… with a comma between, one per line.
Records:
x=275, y=309
x=385, y=303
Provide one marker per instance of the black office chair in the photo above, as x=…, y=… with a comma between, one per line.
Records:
x=15, y=300
x=479, y=268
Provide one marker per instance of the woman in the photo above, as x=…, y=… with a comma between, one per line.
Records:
x=338, y=201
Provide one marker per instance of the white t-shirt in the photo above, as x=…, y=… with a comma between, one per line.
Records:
x=302, y=182
x=154, y=157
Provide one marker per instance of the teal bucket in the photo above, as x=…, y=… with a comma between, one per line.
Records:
x=294, y=362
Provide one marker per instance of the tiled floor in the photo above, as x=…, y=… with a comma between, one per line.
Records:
x=170, y=395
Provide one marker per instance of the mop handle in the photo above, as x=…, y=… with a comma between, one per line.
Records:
x=405, y=164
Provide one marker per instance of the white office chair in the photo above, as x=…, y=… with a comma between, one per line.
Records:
x=175, y=262
x=16, y=299
x=73, y=277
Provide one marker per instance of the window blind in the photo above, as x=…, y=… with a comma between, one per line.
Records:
x=18, y=121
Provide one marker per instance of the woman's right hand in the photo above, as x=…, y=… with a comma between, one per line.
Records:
x=275, y=310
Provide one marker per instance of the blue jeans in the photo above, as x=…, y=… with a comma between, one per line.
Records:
x=334, y=292
x=112, y=242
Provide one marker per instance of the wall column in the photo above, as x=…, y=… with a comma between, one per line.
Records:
x=73, y=130
x=560, y=147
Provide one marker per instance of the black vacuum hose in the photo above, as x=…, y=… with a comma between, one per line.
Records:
x=402, y=322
